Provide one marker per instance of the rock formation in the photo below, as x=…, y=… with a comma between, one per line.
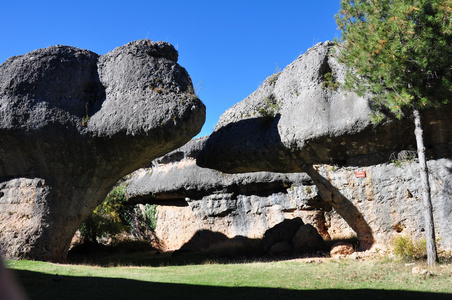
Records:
x=302, y=117
x=72, y=123
x=250, y=205
x=341, y=249
x=194, y=199
x=176, y=176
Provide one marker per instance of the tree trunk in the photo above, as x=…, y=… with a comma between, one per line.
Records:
x=432, y=256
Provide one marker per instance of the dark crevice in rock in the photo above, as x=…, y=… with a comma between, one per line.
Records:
x=324, y=69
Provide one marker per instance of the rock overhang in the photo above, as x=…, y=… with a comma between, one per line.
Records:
x=176, y=176
x=311, y=120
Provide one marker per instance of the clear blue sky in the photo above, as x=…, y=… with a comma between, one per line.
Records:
x=228, y=47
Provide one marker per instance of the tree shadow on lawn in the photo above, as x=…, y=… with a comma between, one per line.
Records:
x=42, y=286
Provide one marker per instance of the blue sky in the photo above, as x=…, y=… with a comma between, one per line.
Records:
x=227, y=47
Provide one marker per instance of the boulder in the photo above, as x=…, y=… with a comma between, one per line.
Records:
x=341, y=249
x=283, y=231
x=72, y=123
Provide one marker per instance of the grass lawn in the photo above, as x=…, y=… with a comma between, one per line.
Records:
x=316, y=278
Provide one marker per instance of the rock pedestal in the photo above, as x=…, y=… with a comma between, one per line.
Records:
x=72, y=123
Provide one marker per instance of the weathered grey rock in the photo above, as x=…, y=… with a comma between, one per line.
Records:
x=234, y=204
x=72, y=123
x=176, y=176
x=300, y=117
x=386, y=200
x=389, y=200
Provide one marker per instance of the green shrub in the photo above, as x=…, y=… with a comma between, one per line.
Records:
x=269, y=107
x=147, y=218
x=329, y=82
x=110, y=218
x=408, y=249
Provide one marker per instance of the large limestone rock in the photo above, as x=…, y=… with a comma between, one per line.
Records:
x=282, y=232
x=193, y=199
x=301, y=116
x=72, y=123
x=387, y=200
x=341, y=249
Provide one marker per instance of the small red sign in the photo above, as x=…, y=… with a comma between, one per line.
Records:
x=360, y=174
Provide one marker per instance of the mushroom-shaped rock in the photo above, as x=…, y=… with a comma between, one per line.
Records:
x=72, y=123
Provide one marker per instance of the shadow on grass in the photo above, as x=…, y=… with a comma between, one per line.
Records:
x=143, y=259
x=154, y=258
x=223, y=253
x=41, y=286
x=205, y=246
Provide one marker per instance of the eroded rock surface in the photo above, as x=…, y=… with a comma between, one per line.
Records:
x=177, y=176
x=386, y=201
x=302, y=116
x=193, y=199
x=72, y=123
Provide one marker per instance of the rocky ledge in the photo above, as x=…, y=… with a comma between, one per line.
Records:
x=363, y=176
x=302, y=116
x=204, y=206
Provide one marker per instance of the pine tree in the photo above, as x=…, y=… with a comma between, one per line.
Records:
x=399, y=53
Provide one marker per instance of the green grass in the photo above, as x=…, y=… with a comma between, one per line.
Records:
x=294, y=279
